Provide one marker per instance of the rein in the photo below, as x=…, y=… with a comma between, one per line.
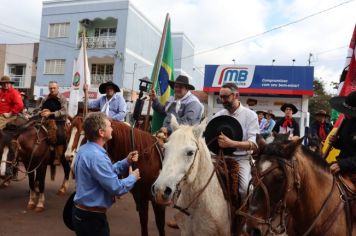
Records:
x=281, y=205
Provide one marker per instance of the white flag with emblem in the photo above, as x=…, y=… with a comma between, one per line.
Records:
x=76, y=90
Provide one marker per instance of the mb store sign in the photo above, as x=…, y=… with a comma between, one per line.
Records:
x=263, y=87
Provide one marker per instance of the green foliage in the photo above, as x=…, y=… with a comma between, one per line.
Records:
x=320, y=99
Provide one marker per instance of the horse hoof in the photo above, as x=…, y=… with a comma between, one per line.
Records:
x=39, y=209
x=30, y=206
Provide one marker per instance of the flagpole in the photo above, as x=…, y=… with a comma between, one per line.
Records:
x=85, y=111
x=156, y=68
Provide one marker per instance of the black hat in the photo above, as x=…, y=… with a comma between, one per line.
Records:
x=67, y=212
x=270, y=112
x=322, y=113
x=102, y=87
x=183, y=80
x=346, y=105
x=285, y=105
x=263, y=112
x=229, y=126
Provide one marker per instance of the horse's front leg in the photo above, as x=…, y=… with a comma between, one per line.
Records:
x=160, y=217
x=142, y=208
x=32, y=200
x=40, y=177
x=66, y=167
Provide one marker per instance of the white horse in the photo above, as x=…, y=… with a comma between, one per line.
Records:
x=188, y=181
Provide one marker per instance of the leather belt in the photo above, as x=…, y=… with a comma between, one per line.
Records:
x=91, y=209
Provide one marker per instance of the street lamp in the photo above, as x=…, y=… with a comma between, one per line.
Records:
x=273, y=61
x=233, y=60
x=293, y=61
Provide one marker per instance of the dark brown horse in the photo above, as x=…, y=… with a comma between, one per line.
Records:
x=149, y=164
x=294, y=193
x=33, y=150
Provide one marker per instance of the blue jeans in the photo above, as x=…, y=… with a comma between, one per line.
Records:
x=88, y=223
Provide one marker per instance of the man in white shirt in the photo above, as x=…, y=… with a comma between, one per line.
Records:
x=229, y=95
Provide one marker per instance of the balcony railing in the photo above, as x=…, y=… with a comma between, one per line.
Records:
x=96, y=80
x=19, y=80
x=99, y=42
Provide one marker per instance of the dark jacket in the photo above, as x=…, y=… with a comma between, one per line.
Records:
x=346, y=142
x=314, y=128
x=280, y=130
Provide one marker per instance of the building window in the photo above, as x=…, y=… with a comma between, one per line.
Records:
x=54, y=67
x=101, y=73
x=58, y=30
x=102, y=32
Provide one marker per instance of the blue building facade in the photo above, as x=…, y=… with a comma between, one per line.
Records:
x=121, y=42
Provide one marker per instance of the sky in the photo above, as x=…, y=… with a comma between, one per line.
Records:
x=211, y=24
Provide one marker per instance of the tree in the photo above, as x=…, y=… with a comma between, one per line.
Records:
x=320, y=100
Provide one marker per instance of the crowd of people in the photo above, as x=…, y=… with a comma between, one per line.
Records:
x=96, y=176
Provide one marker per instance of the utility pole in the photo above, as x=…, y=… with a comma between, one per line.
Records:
x=309, y=59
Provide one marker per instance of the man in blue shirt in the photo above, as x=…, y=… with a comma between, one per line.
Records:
x=97, y=183
x=112, y=104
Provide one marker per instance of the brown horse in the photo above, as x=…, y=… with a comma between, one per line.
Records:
x=33, y=150
x=149, y=164
x=294, y=193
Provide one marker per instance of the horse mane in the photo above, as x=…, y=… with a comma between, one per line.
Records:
x=276, y=150
x=121, y=135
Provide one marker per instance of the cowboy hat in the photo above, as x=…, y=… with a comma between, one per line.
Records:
x=322, y=113
x=227, y=125
x=346, y=105
x=285, y=105
x=67, y=212
x=103, y=86
x=183, y=80
x=270, y=112
x=52, y=104
x=6, y=79
x=259, y=112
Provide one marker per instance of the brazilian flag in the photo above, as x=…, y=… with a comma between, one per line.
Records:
x=165, y=74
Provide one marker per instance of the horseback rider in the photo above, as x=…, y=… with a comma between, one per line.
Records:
x=10, y=101
x=229, y=95
x=320, y=127
x=346, y=138
x=53, y=108
x=287, y=124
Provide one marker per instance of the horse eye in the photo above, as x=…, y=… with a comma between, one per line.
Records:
x=190, y=153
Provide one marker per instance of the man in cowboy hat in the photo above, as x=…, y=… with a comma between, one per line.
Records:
x=261, y=119
x=10, y=101
x=53, y=108
x=229, y=95
x=183, y=105
x=112, y=104
x=287, y=124
x=270, y=123
x=320, y=127
x=346, y=138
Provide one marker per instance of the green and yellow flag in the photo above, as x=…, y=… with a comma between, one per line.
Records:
x=166, y=73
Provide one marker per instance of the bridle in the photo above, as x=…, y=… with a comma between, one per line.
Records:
x=178, y=190
x=293, y=182
x=280, y=210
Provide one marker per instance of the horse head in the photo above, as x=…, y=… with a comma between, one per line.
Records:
x=181, y=160
x=75, y=137
x=275, y=183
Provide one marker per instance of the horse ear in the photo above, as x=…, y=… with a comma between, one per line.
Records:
x=174, y=123
x=198, y=130
x=290, y=148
